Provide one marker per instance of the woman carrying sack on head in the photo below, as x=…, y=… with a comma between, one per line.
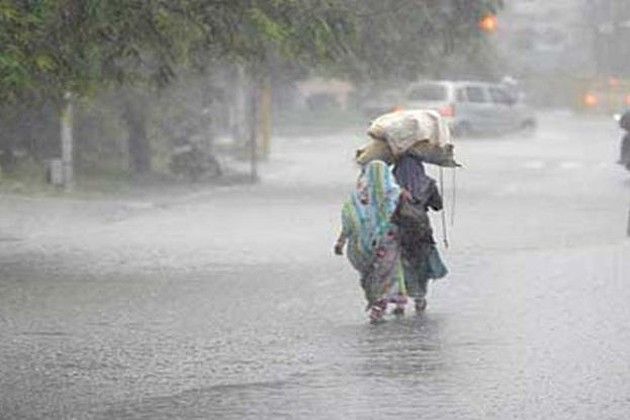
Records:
x=420, y=257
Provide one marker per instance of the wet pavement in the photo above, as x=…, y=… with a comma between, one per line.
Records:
x=227, y=303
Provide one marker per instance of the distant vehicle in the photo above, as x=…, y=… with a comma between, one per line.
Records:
x=473, y=108
x=602, y=95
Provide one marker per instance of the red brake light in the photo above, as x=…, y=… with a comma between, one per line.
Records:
x=590, y=100
x=627, y=99
x=448, y=111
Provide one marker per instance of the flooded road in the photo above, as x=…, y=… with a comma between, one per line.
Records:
x=227, y=303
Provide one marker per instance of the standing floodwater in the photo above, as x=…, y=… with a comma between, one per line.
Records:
x=227, y=303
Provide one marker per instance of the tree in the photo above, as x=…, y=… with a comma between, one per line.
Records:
x=52, y=48
x=49, y=48
x=399, y=39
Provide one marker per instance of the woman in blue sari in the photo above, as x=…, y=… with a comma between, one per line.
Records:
x=372, y=241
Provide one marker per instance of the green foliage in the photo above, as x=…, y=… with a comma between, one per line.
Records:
x=399, y=39
x=48, y=47
x=259, y=32
x=51, y=47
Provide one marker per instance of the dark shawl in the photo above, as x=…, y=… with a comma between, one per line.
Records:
x=410, y=175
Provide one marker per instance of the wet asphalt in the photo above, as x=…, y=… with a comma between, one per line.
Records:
x=225, y=302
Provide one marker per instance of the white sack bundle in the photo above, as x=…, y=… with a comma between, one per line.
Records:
x=421, y=132
x=403, y=129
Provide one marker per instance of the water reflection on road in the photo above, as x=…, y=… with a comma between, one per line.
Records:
x=356, y=369
x=230, y=305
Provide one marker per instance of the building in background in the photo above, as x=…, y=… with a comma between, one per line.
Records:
x=609, y=23
x=545, y=44
x=607, y=88
x=569, y=53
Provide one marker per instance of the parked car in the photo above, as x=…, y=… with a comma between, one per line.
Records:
x=473, y=108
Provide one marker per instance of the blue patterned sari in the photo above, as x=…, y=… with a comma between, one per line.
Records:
x=373, y=240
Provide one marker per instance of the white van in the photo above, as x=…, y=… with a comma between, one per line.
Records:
x=472, y=108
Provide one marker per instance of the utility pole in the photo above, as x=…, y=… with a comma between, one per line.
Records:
x=266, y=116
x=253, y=132
x=239, y=118
x=67, y=121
